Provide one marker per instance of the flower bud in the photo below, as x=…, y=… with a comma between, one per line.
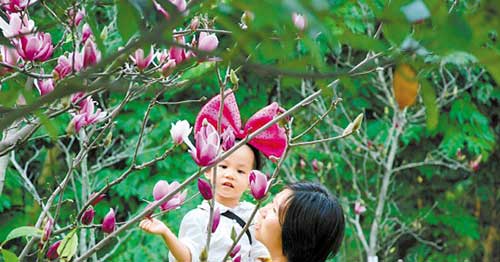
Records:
x=109, y=222
x=235, y=251
x=207, y=42
x=180, y=131
x=88, y=216
x=52, y=252
x=359, y=208
x=47, y=230
x=205, y=189
x=299, y=21
x=259, y=184
x=228, y=139
x=216, y=220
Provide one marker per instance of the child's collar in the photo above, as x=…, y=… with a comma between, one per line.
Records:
x=222, y=208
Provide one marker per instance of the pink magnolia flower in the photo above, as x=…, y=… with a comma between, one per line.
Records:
x=180, y=131
x=299, y=21
x=8, y=56
x=180, y=4
x=87, y=116
x=140, y=61
x=205, y=189
x=195, y=22
x=44, y=86
x=474, y=164
x=207, y=145
x=52, y=252
x=75, y=19
x=91, y=55
x=162, y=188
x=98, y=199
x=259, y=184
x=207, y=42
x=168, y=67
x=237, y=259
x=47, y=230
x=88, y=216
x=18, y=25
x=302, y=163
x=65, y=65
x=35, y=47
x=359, y=208
x=162, y=56
x=75, y=98
x=216, y=219
x=86, y=32
x=228, y=139
x=16, y=5
x=109, y=222
x=315, y=165
x=235, y=251
x=178, y=53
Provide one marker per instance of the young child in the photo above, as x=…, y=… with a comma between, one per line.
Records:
x=231, y=182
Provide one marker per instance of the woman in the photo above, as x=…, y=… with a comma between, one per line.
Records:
x=304, y=223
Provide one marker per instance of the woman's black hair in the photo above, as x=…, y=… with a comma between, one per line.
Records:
x=313, y=223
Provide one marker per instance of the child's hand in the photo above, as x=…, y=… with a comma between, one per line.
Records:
x=153, y=226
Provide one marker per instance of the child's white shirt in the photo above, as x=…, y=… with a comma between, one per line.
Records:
x=193, y=233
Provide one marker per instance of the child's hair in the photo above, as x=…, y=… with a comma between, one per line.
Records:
x=257, y=164
x=313, y=223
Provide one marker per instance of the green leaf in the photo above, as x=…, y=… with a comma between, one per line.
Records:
x=431, y=110
x=197, y=71
x=126, y=20
x=25, y=231
x=9, y=256
x=68, y=246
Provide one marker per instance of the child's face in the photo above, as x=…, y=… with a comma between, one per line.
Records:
x=232, y=176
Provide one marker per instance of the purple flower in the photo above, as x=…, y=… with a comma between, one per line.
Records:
x=178, y=53
x=207, y=145
x=88, y=216
x=207, y=42
x=75, y=19
x=235, y=251
x=258, y=184
x=216, y=220
x=162, y=188
x=228, y=139
x=47, y=230
x=44, y=86
x=205, y=189
x=359, y=208
x=168, y=67
x=86, y=32
x=91, y=55
x=180, y=131
x=35, y=47
x=52, y=252
x=140, y=61
x=87, y=116
x=109, y=222
x=299, y=21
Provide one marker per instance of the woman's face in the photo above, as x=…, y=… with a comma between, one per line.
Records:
x=267, y=225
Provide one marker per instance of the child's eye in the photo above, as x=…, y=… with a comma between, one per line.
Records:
x=241, y=172
x=223, y=166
